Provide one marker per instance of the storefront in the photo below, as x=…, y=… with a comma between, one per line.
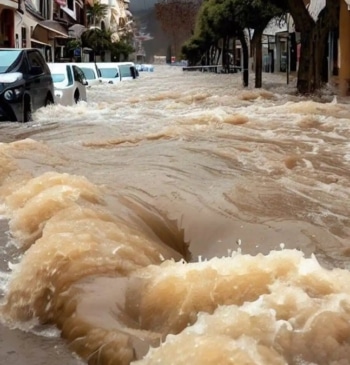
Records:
x=50, y=37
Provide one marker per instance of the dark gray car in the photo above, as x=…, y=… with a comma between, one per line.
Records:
x=25, y=83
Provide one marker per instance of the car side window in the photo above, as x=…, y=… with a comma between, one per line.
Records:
x=78, y=74
x=36, y=66
x=89, y=74
x=69, y=75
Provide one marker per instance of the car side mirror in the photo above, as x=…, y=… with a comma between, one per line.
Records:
x=85, y=82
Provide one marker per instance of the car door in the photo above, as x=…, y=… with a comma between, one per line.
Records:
x=39, y=79
x=81, y=81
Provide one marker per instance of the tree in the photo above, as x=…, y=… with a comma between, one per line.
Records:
x=96, y=39
x=218, y=19
x=121, y=50
x=256, y=14
x=227, y=19
x=96, y=12
x=177, y=19
x=313, y=39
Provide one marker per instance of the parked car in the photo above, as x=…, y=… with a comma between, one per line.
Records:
x=91, y=72
x=144, y=67
x=109, y=72
x=25, y=83
x=127, y=70
x=69, y=83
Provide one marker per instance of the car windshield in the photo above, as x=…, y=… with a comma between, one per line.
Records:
x=110, y=73
x=7, y=58
x=89, y=74
x=57, y=77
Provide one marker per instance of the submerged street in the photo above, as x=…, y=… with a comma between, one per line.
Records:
x=174, y=166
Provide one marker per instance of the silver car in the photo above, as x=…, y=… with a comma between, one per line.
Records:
x=69, y=83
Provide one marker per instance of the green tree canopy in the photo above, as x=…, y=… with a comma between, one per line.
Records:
x=121, y=50
x=224, y=19
x=96, y=12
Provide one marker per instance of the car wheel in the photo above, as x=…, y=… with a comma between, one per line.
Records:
x=27, y=110
x=76, y=96
x=49, y=100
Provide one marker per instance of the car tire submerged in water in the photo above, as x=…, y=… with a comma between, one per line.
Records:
x=27, y=109
x=49, y=100
x=76, y=96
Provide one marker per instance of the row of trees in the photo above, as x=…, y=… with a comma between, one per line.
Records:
x=211, y=25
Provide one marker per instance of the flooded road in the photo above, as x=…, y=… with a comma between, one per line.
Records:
x=163, y=206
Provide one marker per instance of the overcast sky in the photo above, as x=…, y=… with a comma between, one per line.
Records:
x=141, y=4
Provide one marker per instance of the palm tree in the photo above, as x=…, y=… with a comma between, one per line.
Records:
x=96, y=12
x=92, y=37
x=98, y=40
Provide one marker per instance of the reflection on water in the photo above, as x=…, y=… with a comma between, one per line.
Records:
x=200, y=225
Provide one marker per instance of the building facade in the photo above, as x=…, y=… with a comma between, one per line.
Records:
x=49, y=24
x=10, y=15
x=344, y=48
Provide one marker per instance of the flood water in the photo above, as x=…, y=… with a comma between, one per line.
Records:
x=178, y=219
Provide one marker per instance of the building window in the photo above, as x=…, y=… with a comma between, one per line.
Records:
x=70, y=9
x=40, y=7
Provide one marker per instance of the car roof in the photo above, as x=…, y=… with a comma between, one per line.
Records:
x=126, y=63
x=20, y=49
x=57, y=66
x=91, y=64
x=107, y=64
x=17, y=49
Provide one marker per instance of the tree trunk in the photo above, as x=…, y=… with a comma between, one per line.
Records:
x=306, y=73
x=245, y=51
x=218, y=55
x=224, y=59
x=327, y=22
x=313, y=57
x=258, y=64
x=257, y=45
x=313, y=40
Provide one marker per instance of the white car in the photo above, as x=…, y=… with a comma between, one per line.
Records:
x=69, y=83
x=128, y=70
x=91, y=72
x=109, y=72
x=145, y=67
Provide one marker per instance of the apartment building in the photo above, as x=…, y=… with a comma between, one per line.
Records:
x=50, y=24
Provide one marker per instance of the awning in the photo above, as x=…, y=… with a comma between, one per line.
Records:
x=10, y=4
x=76, y=30
x=56, y=28
x=38, y=42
